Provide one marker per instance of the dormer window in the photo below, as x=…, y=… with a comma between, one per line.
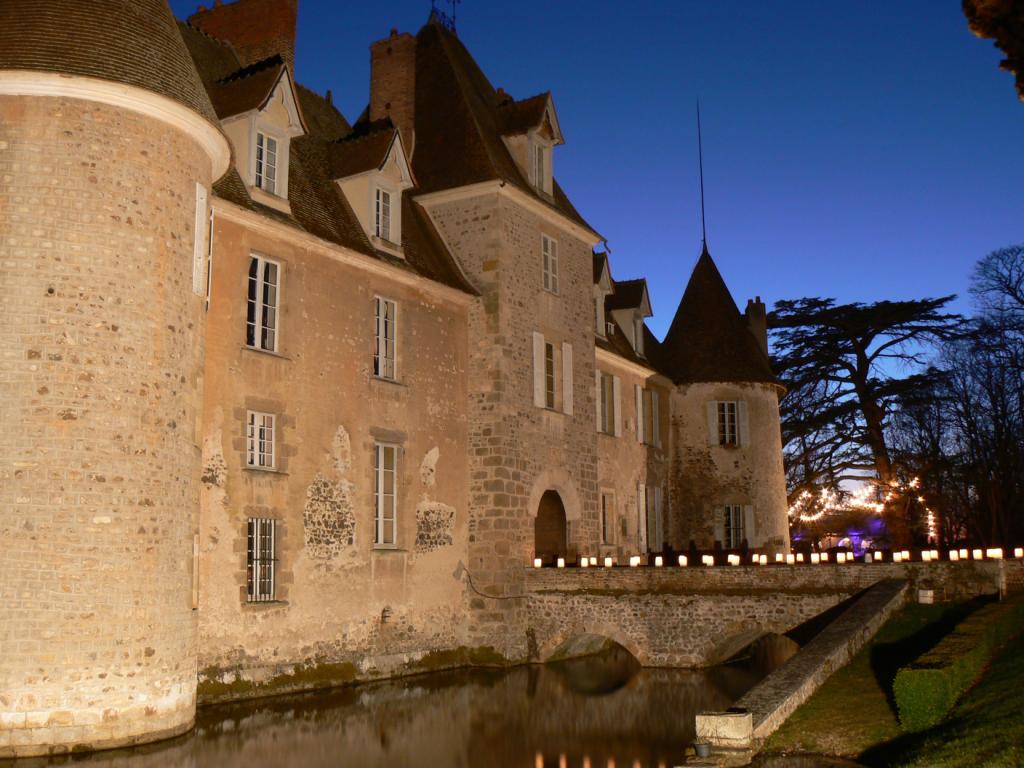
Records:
x=372, y=171
x=266, y=163
x=540, y=165
x=382, y=215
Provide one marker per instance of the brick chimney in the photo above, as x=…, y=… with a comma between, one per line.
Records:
x=757, y=321
x=393, y=83
x=257, y=29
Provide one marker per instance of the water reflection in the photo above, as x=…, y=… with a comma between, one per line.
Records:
x=597, y=712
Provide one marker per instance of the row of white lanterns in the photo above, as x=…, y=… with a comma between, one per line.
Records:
x=930, y=555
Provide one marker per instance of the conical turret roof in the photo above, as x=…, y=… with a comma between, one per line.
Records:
x=134, y=42
x=709, y=340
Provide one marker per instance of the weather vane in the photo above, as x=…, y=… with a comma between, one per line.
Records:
x=447, y=20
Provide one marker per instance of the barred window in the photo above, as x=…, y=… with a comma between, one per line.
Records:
x=385, y=465
x=266, y=163
x=261, y=560
x=385, y=315
x=727, y=434
x=261, y=319
x=259, y=450
x=733, y=529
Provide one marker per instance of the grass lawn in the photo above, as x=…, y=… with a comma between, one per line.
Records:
x=854, y=710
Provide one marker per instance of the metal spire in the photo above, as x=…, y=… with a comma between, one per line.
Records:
x=700, y=159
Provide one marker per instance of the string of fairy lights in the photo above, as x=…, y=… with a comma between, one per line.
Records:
x=810, y=507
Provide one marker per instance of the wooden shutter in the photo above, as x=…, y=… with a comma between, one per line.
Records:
x=538, y=369
x=659, y=518
x=742, y=424
x=638, y=391
x=567, y=378
x=617, y=404
x=719, y=513
x=199, y=242
x=597, y=397
x=655, y=419
x=713, y=423
x=641, y=517
x=748, y=525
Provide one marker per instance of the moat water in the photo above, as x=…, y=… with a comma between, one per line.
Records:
x=598, y=711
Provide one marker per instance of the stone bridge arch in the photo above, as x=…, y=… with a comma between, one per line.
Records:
x=584, y=640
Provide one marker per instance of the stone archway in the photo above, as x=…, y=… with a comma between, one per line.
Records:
x=550, y=532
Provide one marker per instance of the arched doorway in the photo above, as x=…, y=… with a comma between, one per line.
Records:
x=549, y=530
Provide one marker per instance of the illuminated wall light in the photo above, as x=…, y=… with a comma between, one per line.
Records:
x=658, y=561
x=608, y=562
x=897, y=556
x=708, y=560
x=779, y=557
x=634, y=561
x=763, y=560
x=537, y=562
x=538, y=760
x=954, y=555
x=734, y=560
x=1018, y=552
x=790, y=559
x=584, y=562
x=593, y=560
x=683, y=561
x=754, y=559
x=799, y=557
x=906, y=555
x=840, y=557
x=963, y=554
x=563, y=761
x=996, y=553
x=977, y=554
x=561, y=562
x=925, y=556
x=879, y=556
x=824, y=557
x=815, y=558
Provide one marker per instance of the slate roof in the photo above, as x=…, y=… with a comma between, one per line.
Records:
x=709, y=339
x=459, y=124
x=627, y=294
x=247, y=88
x=134, y=42
x=516, y=117
x=331, y=149
x=363, y=150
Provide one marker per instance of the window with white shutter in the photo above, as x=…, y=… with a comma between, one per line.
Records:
x=539, y=346
x=567, y=393
x=617, y=405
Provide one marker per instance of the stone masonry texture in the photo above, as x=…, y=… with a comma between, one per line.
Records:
x=101, y=342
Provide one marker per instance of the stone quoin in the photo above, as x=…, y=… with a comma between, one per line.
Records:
x=289, y=401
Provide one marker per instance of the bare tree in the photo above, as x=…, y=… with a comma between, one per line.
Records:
x=842, y=366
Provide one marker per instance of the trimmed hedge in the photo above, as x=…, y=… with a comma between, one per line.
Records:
x=927, y=688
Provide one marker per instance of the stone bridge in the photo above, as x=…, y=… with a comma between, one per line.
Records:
x=700, y=616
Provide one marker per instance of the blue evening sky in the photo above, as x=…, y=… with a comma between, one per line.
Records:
x=859, y=150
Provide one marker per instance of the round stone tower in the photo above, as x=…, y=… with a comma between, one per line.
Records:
x=107, y=139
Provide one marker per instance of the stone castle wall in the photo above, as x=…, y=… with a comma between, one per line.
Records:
x=345, y=609
x=101, y=339
x=707, y=477
x=518, y=451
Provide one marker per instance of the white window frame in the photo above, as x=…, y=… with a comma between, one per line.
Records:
x=385, y=509
x=385, y=348
x=727, y=412
x=269, y=183
x=261, y=560
x=733, y=526
x=384, y=214
x=260, y=440
x=262, y=314
x=549, y=263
